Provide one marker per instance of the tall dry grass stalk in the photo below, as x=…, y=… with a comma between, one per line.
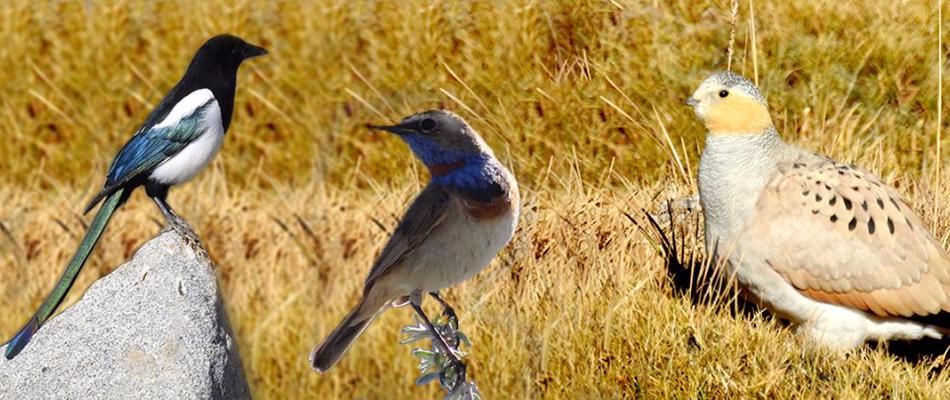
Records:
x=583, y=100
x=940, y=66
x=755, y=52
x=733, y=21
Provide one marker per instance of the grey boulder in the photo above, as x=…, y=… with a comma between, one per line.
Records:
x=155, y=328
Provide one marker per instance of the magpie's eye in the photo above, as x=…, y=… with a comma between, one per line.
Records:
x=723, y=93
x=427, y=124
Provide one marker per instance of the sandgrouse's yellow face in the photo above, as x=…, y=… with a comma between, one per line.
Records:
x=729, y=104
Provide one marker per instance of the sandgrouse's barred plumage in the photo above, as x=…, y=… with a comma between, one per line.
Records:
x=824, y=244
x=874, y=253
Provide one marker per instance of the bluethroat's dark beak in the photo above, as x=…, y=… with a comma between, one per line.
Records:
x=396, y=129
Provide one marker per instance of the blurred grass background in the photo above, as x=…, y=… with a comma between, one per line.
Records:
x=582, y=99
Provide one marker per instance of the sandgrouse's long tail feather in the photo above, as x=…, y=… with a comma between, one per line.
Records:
x=56, y=296
x=324, y=357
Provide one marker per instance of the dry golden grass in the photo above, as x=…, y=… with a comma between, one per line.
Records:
x=582, y=100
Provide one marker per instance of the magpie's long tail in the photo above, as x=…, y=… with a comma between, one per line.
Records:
x=20, y=340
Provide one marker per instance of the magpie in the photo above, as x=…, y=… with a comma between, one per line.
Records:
x=178, y=139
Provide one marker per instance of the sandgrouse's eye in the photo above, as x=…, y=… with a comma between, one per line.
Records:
x=723, y=93
x=427, y=124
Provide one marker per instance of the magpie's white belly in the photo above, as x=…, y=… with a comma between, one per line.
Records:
x=183, y=166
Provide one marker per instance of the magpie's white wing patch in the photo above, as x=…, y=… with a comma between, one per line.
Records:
x=188, y=162
x=186, y=107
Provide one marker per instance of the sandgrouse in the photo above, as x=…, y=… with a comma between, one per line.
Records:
x=823, y=244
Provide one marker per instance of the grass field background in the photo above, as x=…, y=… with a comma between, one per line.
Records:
x=583, y=100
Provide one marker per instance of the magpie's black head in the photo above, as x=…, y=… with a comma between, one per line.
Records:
x=227, y=51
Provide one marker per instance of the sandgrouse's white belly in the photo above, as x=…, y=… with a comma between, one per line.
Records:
x=191, y=160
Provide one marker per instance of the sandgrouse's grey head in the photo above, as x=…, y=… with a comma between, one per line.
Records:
x=438, y=137
x=728, y=103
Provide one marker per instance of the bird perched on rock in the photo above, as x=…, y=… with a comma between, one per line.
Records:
x=178, y=139
x=821, y=243
x=452, y=230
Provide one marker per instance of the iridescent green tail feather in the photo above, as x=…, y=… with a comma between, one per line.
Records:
x=20, y=340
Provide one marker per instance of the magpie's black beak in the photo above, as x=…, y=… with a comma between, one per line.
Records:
x=400, y=129
x=252, y=51
x=691, y=102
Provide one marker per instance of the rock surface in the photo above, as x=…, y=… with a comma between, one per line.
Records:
x=155, y=328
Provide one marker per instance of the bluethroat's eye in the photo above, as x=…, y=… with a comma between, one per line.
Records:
x=427, y=124
x=723, y=93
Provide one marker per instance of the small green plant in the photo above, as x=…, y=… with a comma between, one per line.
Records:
x=435, y=362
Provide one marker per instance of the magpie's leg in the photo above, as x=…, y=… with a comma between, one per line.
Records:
x=158, y=194
x=415, y=299
x=177, y=223
x=447, y=310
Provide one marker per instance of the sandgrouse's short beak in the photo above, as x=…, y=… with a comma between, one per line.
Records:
x=692, y=102
x=397, y=129
x=254, y=51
